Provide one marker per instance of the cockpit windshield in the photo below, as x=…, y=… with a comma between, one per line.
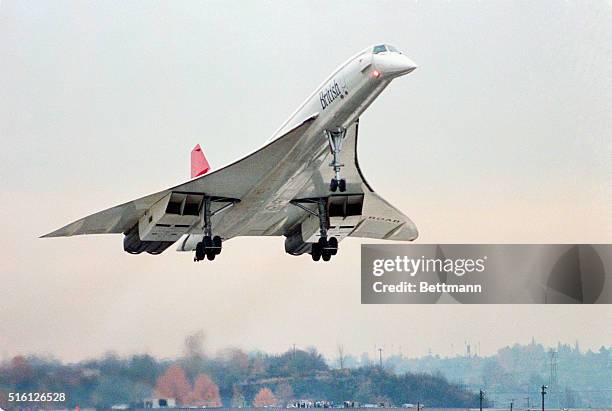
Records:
x=382, y=48
x=379, y=49
x=392, y=49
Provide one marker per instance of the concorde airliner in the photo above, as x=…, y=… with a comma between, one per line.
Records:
x=304, y=184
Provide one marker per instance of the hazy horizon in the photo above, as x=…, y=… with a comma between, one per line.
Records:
x=502, y=135
x=395, y=350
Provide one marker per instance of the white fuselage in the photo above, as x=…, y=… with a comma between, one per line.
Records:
x=337, y=103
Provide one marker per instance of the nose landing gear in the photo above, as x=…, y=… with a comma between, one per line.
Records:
x=335, y=139
x=336, y=184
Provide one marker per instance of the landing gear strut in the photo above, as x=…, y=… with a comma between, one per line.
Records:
x=324, y=248
x=210, y=246
x=335, y=139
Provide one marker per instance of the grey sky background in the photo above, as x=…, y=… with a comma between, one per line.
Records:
x=503, y=135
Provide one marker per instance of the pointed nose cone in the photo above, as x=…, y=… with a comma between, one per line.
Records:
x=409, y=66
x=394, y=64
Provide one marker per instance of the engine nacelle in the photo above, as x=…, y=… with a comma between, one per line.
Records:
x=295, y=245
x=164, y=223
x=134, y=245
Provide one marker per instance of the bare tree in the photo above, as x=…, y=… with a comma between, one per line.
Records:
x=238, y=400
x=194, y=345
x=284, y=393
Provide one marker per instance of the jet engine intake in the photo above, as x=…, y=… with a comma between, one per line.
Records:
x=134, y=245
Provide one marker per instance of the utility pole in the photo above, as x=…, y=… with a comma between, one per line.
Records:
x=481, y=398
x=511, y=403
x=553, y=369
x=528, y=407
x=552, y=383
x=294, y=364
x=380, y=357
x=544, y=387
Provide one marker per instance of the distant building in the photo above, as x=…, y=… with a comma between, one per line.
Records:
x=160, y=403
x=310, y=404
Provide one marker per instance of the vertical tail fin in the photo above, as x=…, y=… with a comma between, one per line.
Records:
x=199, y=164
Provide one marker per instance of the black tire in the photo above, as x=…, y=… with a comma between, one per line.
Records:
x=333, y=245
x=315, y=252
x=211, y=255
x=207, y=242
x=342, y=185
x=326, y=256
x=199, y=254
x=216, y=242
x=333, y=185
x=142, y=247
x=323, y=244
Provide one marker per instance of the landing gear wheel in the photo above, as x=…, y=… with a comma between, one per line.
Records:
x=216, y=242
x=199, y=252
x=342, y=185
x=324, y=246
x=333, y=245
x=333, y=185
x=211, y=247
x=315, y=252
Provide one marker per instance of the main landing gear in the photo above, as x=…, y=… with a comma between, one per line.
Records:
x=210, y=246
x=335, y=139
x=325, y=247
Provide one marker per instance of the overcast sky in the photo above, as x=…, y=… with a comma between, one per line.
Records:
x=503, y=135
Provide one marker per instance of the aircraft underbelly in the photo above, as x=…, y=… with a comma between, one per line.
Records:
x=302, y=173
x=266, y=210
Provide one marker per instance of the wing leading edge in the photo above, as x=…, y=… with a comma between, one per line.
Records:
x=231, y=181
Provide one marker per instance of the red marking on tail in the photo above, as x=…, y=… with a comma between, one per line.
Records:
x=199, y=164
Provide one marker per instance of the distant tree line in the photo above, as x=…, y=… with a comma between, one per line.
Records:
x=575, y=378
x=231, y=378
